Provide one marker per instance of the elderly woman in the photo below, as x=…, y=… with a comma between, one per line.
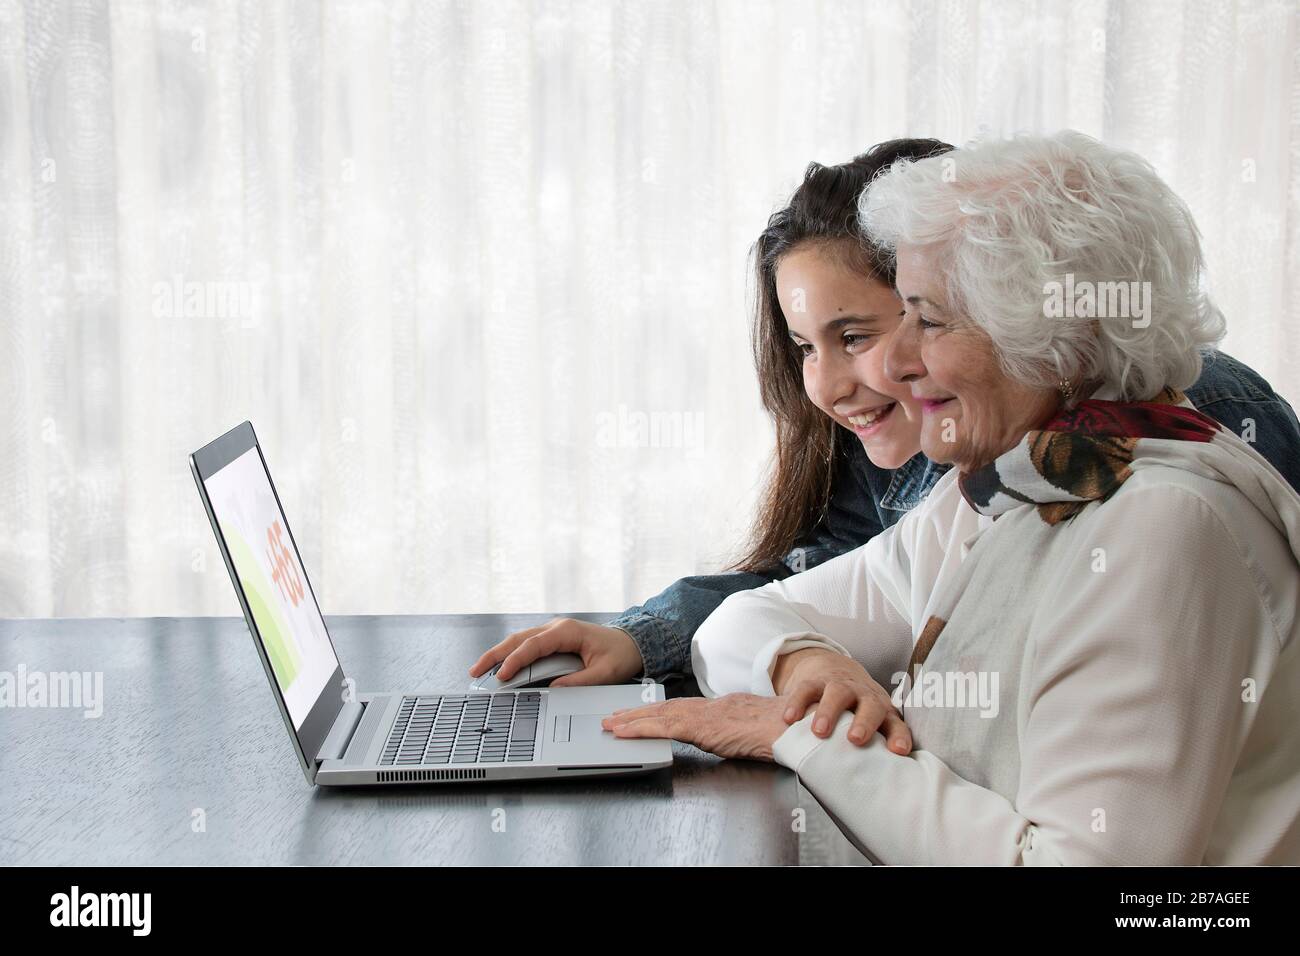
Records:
x=1090, y=624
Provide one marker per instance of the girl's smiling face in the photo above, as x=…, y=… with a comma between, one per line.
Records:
x=842, y=321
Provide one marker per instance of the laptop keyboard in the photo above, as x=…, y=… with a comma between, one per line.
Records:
x=469, y=728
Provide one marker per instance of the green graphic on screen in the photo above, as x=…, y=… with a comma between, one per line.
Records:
x=271, y=625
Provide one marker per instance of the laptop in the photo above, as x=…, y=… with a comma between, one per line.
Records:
x=345, y=738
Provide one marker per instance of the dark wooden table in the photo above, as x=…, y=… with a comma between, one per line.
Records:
x=190, y=764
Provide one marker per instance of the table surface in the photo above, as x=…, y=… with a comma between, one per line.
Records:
x=190, y=764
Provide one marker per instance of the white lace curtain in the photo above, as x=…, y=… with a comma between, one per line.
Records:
x=476, y=271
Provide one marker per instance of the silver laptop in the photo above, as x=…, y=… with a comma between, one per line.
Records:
x=348, y=738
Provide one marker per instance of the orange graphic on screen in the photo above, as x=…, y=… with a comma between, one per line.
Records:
x=283, y=572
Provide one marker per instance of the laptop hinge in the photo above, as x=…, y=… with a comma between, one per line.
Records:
x=340, y=735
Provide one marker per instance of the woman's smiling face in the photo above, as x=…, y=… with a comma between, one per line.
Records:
x=841, y=321
x=972, y=411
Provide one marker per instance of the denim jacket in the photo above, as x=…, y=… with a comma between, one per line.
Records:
x=865, y=500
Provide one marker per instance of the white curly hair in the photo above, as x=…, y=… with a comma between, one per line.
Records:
x=1009, y=218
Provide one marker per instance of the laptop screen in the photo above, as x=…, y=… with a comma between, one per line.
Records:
x=289, y=623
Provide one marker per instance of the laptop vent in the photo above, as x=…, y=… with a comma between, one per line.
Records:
x=415, y=776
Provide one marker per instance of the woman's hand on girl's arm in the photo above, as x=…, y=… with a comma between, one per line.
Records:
x=836, y=683
x=749, y=725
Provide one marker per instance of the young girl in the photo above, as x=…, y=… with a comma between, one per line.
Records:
x=847, y=460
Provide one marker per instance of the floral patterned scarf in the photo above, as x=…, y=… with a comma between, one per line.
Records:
x=1081, y=455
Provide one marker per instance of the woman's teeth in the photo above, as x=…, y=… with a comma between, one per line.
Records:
x=870, y=417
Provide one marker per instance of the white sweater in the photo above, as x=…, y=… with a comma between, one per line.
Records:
x=1148, y=704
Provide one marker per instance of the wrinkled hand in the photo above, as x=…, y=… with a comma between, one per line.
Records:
x=737, y=725
x=836, y=683
x=608, y=655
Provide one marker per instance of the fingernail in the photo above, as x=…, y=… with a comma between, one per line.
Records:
x=820, y=726
x=789, y=714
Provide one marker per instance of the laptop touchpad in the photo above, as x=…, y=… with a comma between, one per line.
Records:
x=561, y=733
x=581, y=727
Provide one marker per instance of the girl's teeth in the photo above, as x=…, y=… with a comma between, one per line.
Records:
x=867, y=419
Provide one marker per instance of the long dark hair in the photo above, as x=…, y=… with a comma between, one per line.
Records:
x=823, y=210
